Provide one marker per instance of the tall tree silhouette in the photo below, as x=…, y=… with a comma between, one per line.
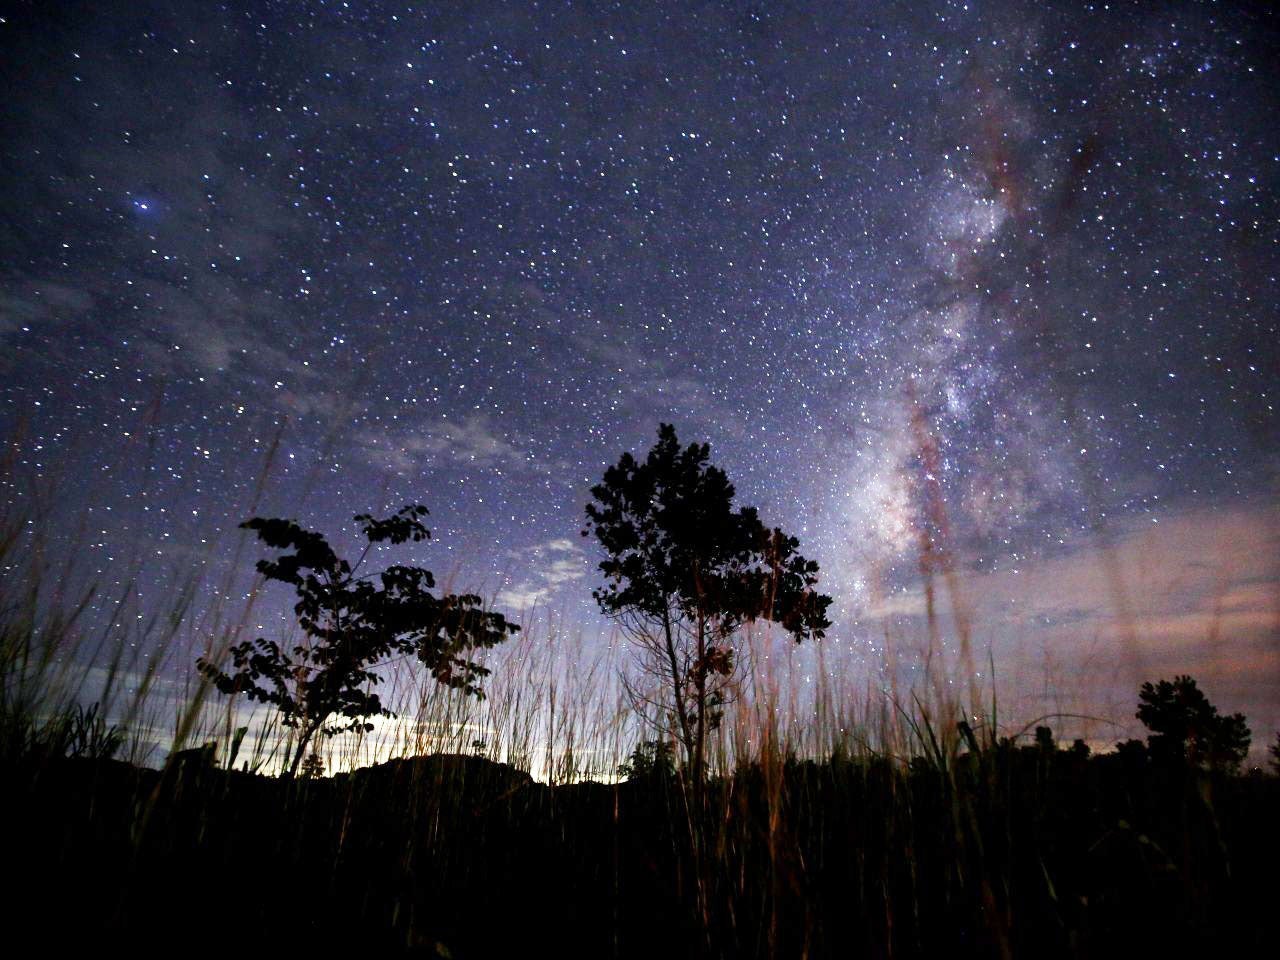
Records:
x=352, y=622
x=684, y=571
x=1186, y=726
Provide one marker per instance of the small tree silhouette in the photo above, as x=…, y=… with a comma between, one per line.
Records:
x=650, y=760
x=1274, y=750
x=1184, y=725
x=351, y=623
x=684, y=571
x=312, y=767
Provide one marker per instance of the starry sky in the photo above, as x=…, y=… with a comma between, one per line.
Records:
x=991, y=282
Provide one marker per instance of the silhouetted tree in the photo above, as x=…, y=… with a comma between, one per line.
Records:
x=1133, y=753
x=1274, y=750
x=312, y=767
x=351, y=623
x=1044, y=739
x=650, y=760
x=684, y=571
x=1184, y=725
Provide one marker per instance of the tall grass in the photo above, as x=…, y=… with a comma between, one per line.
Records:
x=888, y=812
x=553, y=706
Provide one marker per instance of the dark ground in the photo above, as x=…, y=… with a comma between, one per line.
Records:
x=1022, y=853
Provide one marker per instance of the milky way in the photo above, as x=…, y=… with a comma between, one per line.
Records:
x=998, y=276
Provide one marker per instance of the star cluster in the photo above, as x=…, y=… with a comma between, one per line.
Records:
x=1001, y=276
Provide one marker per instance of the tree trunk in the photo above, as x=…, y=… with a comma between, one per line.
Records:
x=700, y=703
x=682, y=714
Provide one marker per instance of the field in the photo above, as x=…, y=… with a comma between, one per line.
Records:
x=874, y=826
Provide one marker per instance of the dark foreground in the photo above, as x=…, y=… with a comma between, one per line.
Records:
x=1019, y=853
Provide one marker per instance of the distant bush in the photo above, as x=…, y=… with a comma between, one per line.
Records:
x=650, y=760
x=1185, y=726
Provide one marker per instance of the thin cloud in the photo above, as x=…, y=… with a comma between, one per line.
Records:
x=554, y=564
x=472, y=443
x=1200, y=592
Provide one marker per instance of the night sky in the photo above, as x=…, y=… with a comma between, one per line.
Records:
x=1005, y=273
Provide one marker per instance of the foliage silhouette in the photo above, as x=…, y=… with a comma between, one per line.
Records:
x=650, y=760
x=1044, y=739
x=684, y=571
x=351, y=623
x=73, y=731
x=1185, y=726
x=312, y=767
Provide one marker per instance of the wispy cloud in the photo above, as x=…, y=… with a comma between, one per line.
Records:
x=32, y=303
x=553, y=564
x=1189, y=591
x=470, y=443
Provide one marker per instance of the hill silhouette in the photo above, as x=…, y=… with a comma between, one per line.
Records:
x=1028, y=851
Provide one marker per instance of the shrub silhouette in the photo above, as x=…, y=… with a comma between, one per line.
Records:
x=312, y=767
x=1185, y=726
x=650, y=760
x=351, y=623
x=71, y=731
x=684, y=571
x=1044, y=739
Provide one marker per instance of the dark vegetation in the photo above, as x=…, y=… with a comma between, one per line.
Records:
x=1007, y=851
x=684, y=572
x=949, y=840
x=352, y=623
